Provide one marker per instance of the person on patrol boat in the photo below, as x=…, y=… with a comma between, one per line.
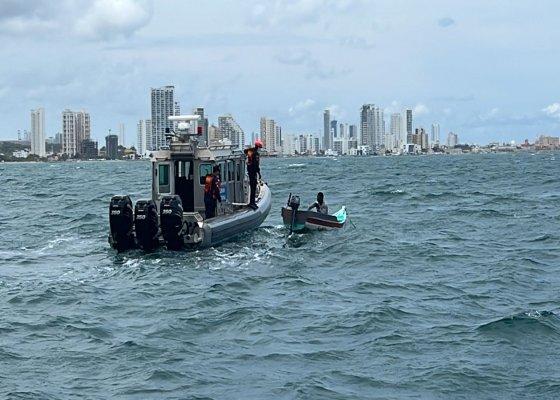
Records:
x=212, y=186
x=253, y=168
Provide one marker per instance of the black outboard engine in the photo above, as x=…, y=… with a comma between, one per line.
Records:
x=171, y=218
x=146, y=224
x=121, y=223
x=293, y=203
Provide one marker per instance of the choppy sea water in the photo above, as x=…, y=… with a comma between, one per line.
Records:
x=447, y=287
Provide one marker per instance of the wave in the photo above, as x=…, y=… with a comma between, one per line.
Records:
x=532, y=323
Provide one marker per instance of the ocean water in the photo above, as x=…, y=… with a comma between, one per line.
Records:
x=448, y=287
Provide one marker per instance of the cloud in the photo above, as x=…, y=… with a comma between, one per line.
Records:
x=313, y=67
x=91, y=19
x=107, y=19
x=355, y=42
x=490, y=115
x=553, y=110
x=301, y=57
x=420, y=109
x=336, y=112
x=276, y=13
x=301, y=106
x=446, y=22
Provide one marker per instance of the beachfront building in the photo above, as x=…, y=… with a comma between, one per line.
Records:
x=231, y=130
x=76, y=127
x=162, y=107
x=38, y=132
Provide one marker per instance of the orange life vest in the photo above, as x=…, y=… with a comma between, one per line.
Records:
x=250, y=156
x=208, y=183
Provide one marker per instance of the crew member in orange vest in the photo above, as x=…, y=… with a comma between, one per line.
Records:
x=253, y=168
x=212, y=186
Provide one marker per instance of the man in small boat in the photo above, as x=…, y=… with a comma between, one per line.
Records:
x=212, y=186
x=253, y=168
x=320, y=205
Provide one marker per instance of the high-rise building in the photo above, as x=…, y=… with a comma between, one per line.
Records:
x=372, y=123
x=89, y=149
x=327, y=130
x=202, y=124
x=112, y=146
x=163, y=106
x=76, y=127
x=38, y=132
x=452, y=140
x=144, y=136
x=435, y=135
x=353, y=132
x=278, y=138
x=122, y=139
x=214, y=135
x=334, y=133
x=231, y=130
x=409, y=122
x=269, y=132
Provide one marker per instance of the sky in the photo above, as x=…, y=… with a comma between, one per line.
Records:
x=486, y=70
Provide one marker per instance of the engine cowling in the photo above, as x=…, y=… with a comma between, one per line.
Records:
x=121, y=216
x=146, y=224
x=171, y=219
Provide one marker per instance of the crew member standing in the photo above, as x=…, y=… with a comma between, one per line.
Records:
x=253, y=168
x=212, y=186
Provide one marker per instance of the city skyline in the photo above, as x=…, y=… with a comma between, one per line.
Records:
x=276, y=59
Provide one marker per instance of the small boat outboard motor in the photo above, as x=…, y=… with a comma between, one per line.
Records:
x=171, y=218
x=293, y=203
x=146, y=224
x=121, y=223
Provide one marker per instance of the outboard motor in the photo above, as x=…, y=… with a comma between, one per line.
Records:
x=146, y=224
x=171, y=218
x=293, y=203
x=121, y=223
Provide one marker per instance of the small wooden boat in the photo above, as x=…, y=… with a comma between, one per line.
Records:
x=297, y=220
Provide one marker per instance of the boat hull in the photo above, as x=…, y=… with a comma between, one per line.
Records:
x=310, y=220
x=226, y=227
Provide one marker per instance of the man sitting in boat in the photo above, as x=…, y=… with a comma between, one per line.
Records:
x=212, y=192
x=320, y=206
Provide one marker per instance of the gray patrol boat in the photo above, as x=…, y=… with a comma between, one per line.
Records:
x=174, y=215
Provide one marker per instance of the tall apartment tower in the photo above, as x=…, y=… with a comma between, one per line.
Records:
x=231, y=130
x=121, y=135
x=409, y=122
x=452, y=139
x=38, y=132
x=334, y=130
x=365, y=121
x=434, y=139
x=396, y=130
x=76, y=127
x=163, y=106
x=372, y=126
x=327, y=143
x=353, y=132
x=269, y=131
x=144, y=134
x=203, y=123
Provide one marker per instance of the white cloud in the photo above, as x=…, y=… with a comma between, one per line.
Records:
x=489, y=115
x=553, y=110
x=95, y=19
x=420, y=109
x=336, y=112
x=301, y=106
x=109, y=18
x=290, y=12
